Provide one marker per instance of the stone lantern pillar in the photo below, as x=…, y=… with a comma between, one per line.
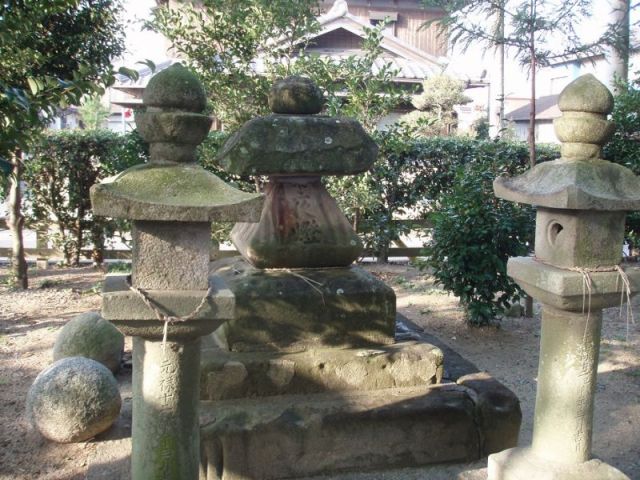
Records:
x=169, y=301
x=575, y=273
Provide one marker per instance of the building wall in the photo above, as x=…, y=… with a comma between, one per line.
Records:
x=411, y=16
x=544, y=131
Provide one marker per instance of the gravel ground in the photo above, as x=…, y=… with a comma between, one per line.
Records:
x=29, y=322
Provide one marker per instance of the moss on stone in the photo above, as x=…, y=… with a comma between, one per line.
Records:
x=176, y=87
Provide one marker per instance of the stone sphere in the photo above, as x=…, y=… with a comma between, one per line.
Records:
x=73, y=400
x=91, y=336
x=295, y=95
x=175, y=87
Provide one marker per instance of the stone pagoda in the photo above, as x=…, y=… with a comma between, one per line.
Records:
x=169, y=302
x=307, y=377
x=581, y=203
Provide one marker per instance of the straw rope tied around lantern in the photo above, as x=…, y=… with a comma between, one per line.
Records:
x=587, y=291
x=171, y=202
x=162, y=314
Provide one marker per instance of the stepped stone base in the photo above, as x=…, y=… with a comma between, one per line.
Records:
x=227, y=375
x=293, y=436
x=292, y=310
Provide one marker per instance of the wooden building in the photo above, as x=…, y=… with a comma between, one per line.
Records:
x=406, y=17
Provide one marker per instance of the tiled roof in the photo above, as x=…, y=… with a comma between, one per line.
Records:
x=546, y=109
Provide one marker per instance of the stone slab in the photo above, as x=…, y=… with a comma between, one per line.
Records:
x=299, y=145
x=298, y=436
x=564, y=289
x=127, y=311
x=227, y=375
x=523, y=464
x=288, y=310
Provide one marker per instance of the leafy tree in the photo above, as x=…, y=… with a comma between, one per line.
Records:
x=535, y=31
x=624, y=147
x=63, y=166
x=226, y=42
x=93, y=113
x=53, y=53
x=440, y=93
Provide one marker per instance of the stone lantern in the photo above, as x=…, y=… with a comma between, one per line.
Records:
x=169, y=301
x=581, y=203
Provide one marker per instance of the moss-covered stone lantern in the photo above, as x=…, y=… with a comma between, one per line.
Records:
x=169, y=301
x=581, y=203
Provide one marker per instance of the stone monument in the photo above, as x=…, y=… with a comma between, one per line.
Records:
x=307, y=377
x=169, y=301
x=575, y=273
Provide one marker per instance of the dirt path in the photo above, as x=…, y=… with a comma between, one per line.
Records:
x=29, y=322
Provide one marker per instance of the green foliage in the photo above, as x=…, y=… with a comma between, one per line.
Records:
x=240, y=48
x=221, y=40
x=53, y=53
x=481, y=128
x=473, y=236
x=440, y=93
x=546, y=31
x=64, y=166
x=624, y=147
x=413, y=175
x=93, y=113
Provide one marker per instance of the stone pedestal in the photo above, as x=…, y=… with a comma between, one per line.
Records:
x=581, y=203
x=169, y=301
x=307, y=378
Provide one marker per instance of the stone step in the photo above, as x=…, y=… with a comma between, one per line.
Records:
x=294, y=436
x=226, y=375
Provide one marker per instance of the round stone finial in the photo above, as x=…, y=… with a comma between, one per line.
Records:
x=583, y=127
x=175, y=88
x=586, y=94
x=295, y=95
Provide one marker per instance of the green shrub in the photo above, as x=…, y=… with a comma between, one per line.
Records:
x=63, y=167
x=624, y=146
x=474, y=234
x=412, y=176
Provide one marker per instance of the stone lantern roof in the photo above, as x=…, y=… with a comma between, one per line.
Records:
x=580, y=179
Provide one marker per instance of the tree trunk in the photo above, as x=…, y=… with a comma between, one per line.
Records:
x=97, y=239
x=619, y=53
x=79, y=238
x=532, y=113
x=16, y=224
x=501, y=124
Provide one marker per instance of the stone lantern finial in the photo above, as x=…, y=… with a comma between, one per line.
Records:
x=295, y=96
x=583, y=127
x=173, y=123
